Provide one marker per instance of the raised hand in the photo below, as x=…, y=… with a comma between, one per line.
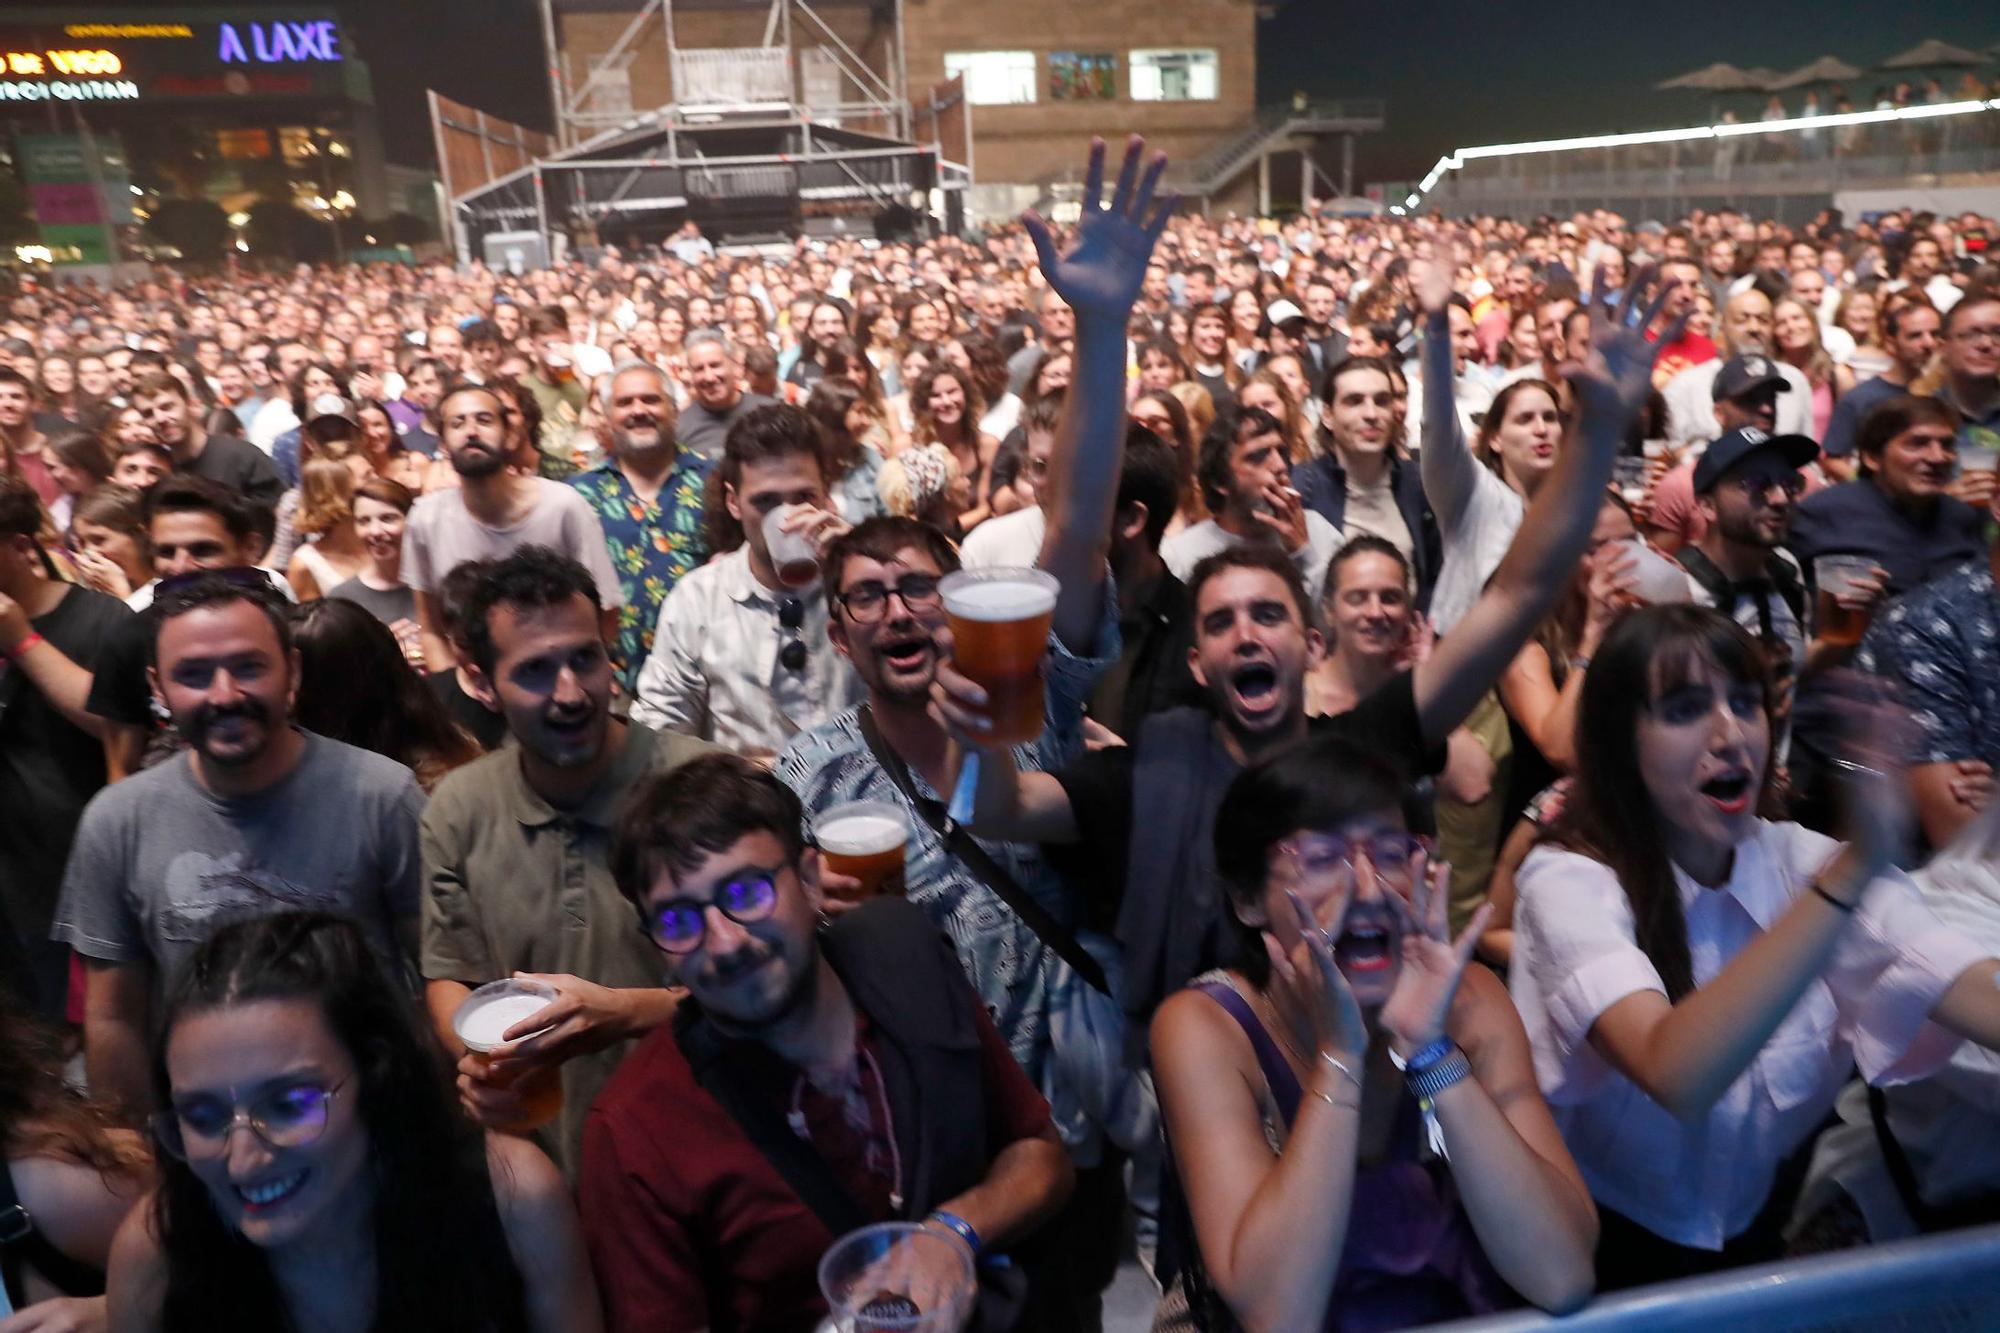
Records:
x=1614, y=381
x=1418, y=1009
x=1871, y=757
x=1313, y=976
x=1430, y=283
x=1100, y=273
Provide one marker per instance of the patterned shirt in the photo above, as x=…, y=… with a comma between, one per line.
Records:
x=1941, y=644
x=652, y=544
x=1020, y=980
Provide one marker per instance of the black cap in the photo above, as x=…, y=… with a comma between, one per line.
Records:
x=1739, y=444
x=1742, y=374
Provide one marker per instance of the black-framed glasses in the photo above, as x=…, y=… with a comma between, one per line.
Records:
x=868, y=601
x=679, y=924
x=791, y=618
x=289, y=1116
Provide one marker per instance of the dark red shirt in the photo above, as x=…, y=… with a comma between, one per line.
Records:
x=690, y=1228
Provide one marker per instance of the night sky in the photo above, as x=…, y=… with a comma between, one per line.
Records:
x=1455, y=72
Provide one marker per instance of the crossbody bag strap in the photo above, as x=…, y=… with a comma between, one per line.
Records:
x=964, y=846
x=794, y=1159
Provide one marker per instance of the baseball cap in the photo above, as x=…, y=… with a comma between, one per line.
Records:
x=1741, y=374
x=1736, y=445
x=1281, y=310
x=329, y=405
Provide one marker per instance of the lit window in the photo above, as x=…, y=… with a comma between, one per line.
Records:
x=994, y=78
x=1173, y=76
x=1081, y=76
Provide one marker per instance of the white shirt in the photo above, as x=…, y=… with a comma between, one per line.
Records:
x=1575, y=955
x=273, y=419
x=1002, y=417
x=1011, y=540
x=142, y=596
x=1478, y=515
x=1472, y=393
x=714, y=670
x=1690, y=398
x=1191, y=545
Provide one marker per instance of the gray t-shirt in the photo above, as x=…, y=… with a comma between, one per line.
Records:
x=442, y=534
x=706, y=432
x=159, y=861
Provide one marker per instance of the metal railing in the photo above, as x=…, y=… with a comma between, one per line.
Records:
x=732, y=76
x=1939, y=1284
x=1214, y=167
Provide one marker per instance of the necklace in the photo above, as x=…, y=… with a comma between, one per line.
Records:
x=796, y=1118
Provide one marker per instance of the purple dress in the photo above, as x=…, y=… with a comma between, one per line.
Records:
x=1411, y=1257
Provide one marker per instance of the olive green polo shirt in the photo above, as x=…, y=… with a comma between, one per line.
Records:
x=514, y=884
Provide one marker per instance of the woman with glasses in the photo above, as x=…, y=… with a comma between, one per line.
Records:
x=1352, y=1112
x=76, y=1174
x=317, y=1172
x=1698, y=981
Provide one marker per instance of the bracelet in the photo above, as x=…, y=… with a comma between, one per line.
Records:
x=1429, y=1082
x=1849, y=766
x=1580, y=662
x=1423, y=1057
x=1330, y=1100
x=1832, y=901
x=14, y=653
x=1352, y=1077
x=959, y=1227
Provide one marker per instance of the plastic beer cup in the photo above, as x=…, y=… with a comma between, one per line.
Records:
x=864, y=839
x=1836, y=576
x=1000, y=632
x=897, y=1277
x=479, y=1022
x=793, y=556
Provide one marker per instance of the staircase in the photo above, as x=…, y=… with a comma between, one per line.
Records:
x=1274, y=126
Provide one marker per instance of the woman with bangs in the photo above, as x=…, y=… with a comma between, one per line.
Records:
x=1697, y=979
x=1357, y=1139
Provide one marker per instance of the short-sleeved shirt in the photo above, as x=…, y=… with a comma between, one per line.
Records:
x=1857, y=518
x=512, y=884
x=160, y=861
x=1576, y=954
x=387, y=605
x=49, y=767
x=1853, y=409
x=1099, y=783
x=705, y=432
x=238, y=466
x=652, y=544
x=441, y=534
x=1019, y=978
x=691, y=1227
x=1941, y=645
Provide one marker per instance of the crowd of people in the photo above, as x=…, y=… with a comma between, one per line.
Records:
x=1510, y=813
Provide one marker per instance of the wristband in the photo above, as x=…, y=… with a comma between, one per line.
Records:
x=1448, y=1069
x=959, y=1227
x=14, y=653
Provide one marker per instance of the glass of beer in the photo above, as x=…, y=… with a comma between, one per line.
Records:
x=1000, y=630
x=897, y=1277
x=864, y=839
x=793, y=556
x=1836, y=576
x=479, y=1022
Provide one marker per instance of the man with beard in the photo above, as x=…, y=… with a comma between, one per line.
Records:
x=853, y=1057
x=492, y=512
x=1745, y=393
x=716, y=377
x=1746, y=485
x=1745, y=333
x=238, y=466
x=516, y=849
x=740, y=656
x=885, y=616
x=240, y=824
x=1137, y=821
x=648, y=499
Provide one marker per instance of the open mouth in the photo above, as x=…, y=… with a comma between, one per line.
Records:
x=271, y=1193
x=906, y=654
x=569, y=727
x=1363, y=949
x=1256, y=685
x=1728, y=792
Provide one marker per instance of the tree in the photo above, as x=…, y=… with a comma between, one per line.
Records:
x=280, y=229
x=198, y=228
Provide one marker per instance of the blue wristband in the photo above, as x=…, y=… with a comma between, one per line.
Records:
x=959, y=1227
x=1427, y=1055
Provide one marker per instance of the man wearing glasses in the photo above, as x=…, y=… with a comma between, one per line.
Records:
x=816, y=1079
x=516, y=847
x=740, y=656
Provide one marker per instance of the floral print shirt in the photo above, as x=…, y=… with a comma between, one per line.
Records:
x=652, y=544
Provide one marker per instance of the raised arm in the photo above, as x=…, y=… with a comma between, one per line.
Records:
x=1450, y=472
x=1610, y=393
x=1099, y=275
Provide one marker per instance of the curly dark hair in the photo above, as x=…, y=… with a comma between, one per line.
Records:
x=533, y=576
x=441, y=1256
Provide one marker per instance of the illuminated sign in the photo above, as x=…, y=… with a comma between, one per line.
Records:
x=77, y=54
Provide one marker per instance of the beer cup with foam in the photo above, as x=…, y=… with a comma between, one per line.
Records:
x=1000, y=631
x=480, y=1020
x=864, y=840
